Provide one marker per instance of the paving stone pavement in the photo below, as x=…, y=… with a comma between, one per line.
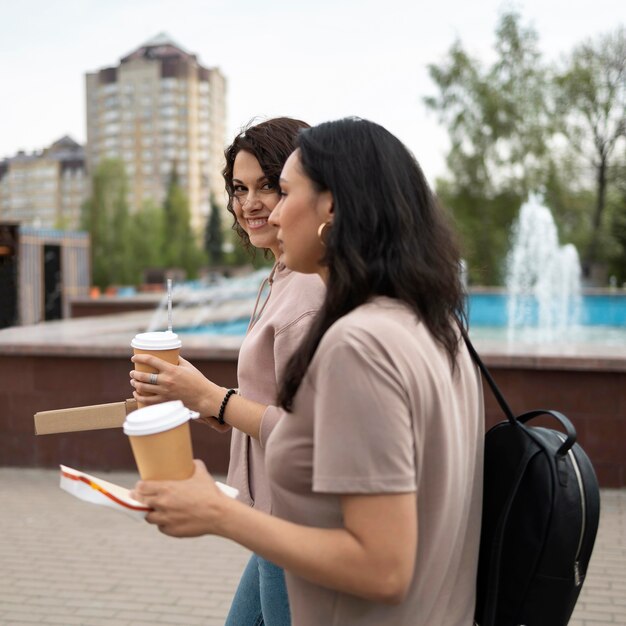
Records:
x=63, y=561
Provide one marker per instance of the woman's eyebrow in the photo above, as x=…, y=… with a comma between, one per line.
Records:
x=258, y=180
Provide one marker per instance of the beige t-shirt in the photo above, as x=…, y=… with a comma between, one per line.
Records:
x=284, y=319
x=379, y=411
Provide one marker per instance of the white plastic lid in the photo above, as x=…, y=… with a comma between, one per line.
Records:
x=160, y=340
x=157, y=418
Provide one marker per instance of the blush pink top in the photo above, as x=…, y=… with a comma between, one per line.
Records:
x=273, y=336
x=381, y=412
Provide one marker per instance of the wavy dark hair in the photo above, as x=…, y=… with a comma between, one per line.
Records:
x=271, y=142
x=388, y=237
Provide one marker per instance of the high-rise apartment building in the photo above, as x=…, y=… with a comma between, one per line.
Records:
x=44, y=189
x=158, y=111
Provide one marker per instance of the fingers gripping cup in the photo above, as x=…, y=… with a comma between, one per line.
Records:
x=163, y=344
x=161, y=440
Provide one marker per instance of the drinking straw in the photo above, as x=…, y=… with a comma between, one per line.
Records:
x=169, y=305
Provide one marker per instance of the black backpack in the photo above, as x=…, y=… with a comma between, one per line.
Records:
x=541, y=507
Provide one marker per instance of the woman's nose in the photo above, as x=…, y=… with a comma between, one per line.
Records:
x=251, y=202
x=274, y=218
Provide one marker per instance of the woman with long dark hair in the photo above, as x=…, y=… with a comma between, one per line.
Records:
x=253, y=165
x=376, y=470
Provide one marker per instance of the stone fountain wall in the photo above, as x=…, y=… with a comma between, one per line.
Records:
x=31, y=383
x=592, y=392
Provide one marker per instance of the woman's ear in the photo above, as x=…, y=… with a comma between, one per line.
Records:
x=326, y=206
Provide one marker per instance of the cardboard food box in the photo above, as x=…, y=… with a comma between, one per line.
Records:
x=95, y=417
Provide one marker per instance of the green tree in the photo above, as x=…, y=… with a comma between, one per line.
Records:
x=214, y=236
x=593, y=103
x=483, y=223
x=106, y=216
x=617, y=265
x=180, y=248
x=500, y=120
x=147, y=235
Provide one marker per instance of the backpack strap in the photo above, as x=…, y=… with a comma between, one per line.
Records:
x=488, y=618
x=568, y=427
x=506, y=409
x=570, y=431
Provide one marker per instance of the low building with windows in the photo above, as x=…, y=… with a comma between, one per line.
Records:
x=45, y=189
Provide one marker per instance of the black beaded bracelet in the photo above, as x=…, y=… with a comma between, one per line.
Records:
x=220, y=415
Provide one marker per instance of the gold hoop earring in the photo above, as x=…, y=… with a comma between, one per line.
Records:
x=322, y=232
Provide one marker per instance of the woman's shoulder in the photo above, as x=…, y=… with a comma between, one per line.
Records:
x=374, y=322
x=303, y=290
x=294, y=301
x=297, y=278
x=380, y=311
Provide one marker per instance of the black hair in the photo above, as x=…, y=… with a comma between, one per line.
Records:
x=388, y=236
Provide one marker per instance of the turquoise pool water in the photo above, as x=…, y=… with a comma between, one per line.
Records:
x=232, y=327
x=603, y=319
x=596, y=310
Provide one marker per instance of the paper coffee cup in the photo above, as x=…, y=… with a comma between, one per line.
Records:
x=162, y=344
x=161, y=440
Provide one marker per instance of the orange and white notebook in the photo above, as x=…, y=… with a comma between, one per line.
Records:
x=97, y=491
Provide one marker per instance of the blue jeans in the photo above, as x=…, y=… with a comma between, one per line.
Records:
x=261, y=597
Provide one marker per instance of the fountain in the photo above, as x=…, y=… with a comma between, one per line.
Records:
x=224, y=303
x=543, y=279
x=543, y=309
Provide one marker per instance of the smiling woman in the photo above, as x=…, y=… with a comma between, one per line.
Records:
x=253, y=164
x=254, y=199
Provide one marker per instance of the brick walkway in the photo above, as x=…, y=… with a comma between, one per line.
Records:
x=63, y=561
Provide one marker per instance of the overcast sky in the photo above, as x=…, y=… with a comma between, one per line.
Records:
x=313, y=60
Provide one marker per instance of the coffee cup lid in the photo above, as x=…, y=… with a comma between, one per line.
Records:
x=157, y=418
x=159, y=340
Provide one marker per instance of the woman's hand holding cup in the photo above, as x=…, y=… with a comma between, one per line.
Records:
x=177, y=382
x=185, y=508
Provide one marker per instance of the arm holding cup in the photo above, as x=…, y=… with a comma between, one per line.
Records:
x=372, y=556
x=185, y=382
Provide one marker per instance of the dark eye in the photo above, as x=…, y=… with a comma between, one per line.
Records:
x=268, y=187
x=239, y=190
